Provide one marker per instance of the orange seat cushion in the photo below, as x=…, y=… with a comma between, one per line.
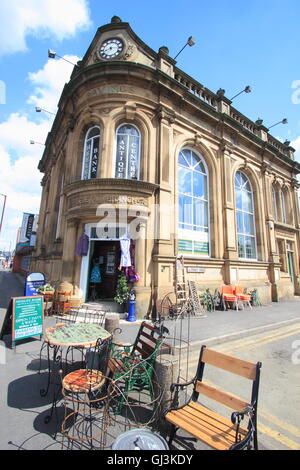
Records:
x=83, y=381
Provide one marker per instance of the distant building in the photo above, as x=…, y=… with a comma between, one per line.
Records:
x=25, y=245
x=198, y=178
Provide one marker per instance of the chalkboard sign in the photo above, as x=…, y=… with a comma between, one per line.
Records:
x=27, y=317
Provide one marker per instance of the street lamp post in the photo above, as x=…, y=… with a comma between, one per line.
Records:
x=2, y=210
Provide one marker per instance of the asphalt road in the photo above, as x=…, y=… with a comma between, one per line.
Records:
x=279, y=395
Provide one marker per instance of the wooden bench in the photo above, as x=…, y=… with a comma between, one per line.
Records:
x=210, y=427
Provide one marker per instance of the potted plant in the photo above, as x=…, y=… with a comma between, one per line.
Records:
x=122, y=291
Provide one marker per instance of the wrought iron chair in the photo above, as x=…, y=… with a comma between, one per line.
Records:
x=134, y=363
x=86, y=394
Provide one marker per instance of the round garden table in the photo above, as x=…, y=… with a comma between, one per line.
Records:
x=76, y=335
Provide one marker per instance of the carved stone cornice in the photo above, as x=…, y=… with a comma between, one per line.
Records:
x=112, y=185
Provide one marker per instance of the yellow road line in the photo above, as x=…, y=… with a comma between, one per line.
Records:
x=273, y=335
x=245, y=345
x=282, y=424
x=278, y=437
x=261, y=343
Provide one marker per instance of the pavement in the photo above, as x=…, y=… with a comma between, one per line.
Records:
x=22, y=409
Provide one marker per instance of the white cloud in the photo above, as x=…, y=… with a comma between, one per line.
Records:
x=40, y=18
x=19, y=174
x=49, y=82
x=296, y=145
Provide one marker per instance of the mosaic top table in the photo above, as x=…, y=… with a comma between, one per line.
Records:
x=78, y=335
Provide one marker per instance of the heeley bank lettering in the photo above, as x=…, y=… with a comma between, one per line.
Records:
x=110, y=89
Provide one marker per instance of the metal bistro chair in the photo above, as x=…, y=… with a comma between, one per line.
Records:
x=70, y=318
x=86, y=394
x=134, y=363
x=83, y=316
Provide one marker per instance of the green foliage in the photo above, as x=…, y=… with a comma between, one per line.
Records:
x=122, y=291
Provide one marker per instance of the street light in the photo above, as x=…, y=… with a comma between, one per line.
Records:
x=32, y=142
x=39, y=110
x=247, y=89
x=283, y=121
x=190, y=42
x=52, y=54
x=2, y=210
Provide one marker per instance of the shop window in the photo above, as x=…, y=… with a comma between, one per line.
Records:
x=128, y=150
x=193, y=208
x=91, y=153
x=245, y=217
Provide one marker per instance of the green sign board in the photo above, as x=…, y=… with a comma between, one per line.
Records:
x=27, y=317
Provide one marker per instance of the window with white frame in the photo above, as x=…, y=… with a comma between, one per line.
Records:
x=128, y=152
x=245, y=217
x=91, y=153
x=193, y=208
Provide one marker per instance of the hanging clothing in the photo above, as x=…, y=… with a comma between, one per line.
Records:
x=96, y=275
x=125, y=251
x=131, y=274
x=82, y=246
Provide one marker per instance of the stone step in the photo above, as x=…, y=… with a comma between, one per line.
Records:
x=104, y=305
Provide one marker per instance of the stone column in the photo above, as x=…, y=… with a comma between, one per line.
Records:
x=230, y=243
x=68, y=260
x=141, y=262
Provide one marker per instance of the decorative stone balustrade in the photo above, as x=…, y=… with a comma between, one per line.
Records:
x=197, y=90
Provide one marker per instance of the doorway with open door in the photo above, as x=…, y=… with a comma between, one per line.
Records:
x=103, y=270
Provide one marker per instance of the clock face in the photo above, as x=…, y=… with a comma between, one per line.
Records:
x=111, y=48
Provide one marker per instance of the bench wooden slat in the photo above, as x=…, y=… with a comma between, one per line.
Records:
x=231, y=364
x=226, y=435
x=149, y=337
x=227, y=399
x=116, y=365
x=150, y=327
x=215, y=419
x=198, y=430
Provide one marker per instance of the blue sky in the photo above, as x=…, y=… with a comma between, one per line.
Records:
x=238, y=43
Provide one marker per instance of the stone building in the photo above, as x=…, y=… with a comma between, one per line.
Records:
x=137, y=144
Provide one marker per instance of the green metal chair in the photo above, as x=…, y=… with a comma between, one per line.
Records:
x=133, y=365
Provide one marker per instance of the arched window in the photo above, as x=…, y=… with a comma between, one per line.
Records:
x=91, y=153
x=193, y=204
x=128, y=150
x=245, y=219
x=274, y=198
x=283, y=205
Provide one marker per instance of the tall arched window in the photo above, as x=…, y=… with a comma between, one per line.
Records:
x=245, y=219
x=274, y=199
x=283, y=205
x=128, y=152
x=193, y=212
x=91, y=153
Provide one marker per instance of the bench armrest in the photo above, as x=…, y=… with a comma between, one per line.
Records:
x=182, y=384
x=119, y=350
x=237, y=416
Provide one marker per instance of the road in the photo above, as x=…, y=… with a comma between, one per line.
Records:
x=279, y=395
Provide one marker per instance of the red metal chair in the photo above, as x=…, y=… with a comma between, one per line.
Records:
x=228, y=295
x=244, y=298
